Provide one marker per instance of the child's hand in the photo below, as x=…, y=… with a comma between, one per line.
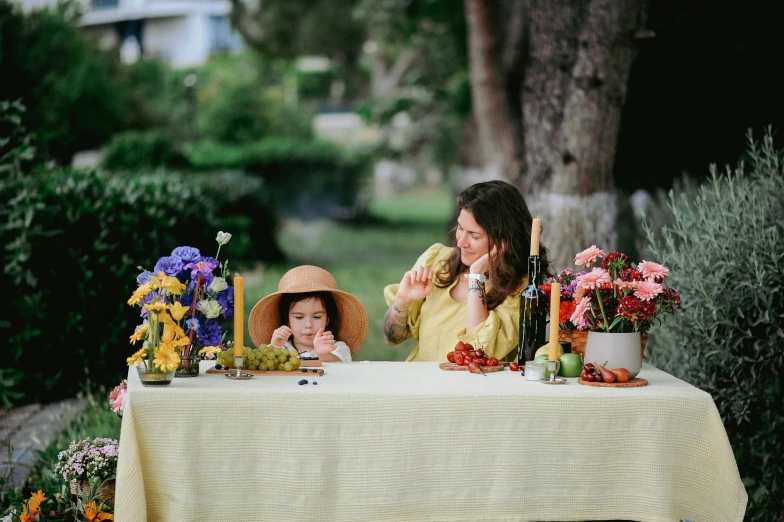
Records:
x=280, y=336
x=324, y=342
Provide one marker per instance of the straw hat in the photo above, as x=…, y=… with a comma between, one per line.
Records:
x=264, y=318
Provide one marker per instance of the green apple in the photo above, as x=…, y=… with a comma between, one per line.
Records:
x=547, y=370
x=545, y=350
x=571, y=364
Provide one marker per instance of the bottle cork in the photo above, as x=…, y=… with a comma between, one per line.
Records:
x=536, y=229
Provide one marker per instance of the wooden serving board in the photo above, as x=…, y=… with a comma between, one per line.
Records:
x=310, y=363
x=633, y=383
x=452, y=367
x=302, y=374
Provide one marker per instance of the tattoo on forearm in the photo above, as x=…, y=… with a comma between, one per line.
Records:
x=476, y=286
x=395, y=327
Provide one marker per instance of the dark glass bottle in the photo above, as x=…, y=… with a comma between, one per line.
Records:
x=533, y=305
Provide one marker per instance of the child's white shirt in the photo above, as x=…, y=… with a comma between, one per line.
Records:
x=341, y=351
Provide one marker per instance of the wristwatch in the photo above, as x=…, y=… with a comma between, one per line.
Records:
x=479, y=277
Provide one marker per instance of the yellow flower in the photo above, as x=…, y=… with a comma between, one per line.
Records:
x=178, y=311
x=139, y=294
x=210, y=349
x=140, y=332
x=172, y=285
x=93, y=512
x=166, y=359
x=157, y=306
x=137, y=358
x=168, y=334
x=181, y=342
x=38, y=497
x=165, y=318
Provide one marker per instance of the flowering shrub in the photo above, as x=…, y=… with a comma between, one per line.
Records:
x=88, y=458
x=61, y=507
x=616, y=297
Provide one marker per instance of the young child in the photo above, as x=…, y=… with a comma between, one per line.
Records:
x=309, y=313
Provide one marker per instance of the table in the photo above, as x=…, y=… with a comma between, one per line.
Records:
x=408, y=442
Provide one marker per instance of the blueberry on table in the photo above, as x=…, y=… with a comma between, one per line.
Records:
x=303, y=370
x=314, y=370
x=303, y=381
x=314, y=382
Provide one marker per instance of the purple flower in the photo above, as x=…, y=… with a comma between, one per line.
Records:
x=225, y=298
x=187, y=299
x=169, y=265
x=187, y=254
x=203, y=268
x=209, y=332
x=144, y=277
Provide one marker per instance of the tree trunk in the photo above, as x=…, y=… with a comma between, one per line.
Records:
x=498, y=126
x=573, y=59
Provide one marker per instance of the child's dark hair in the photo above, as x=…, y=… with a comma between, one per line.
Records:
x=333, y=317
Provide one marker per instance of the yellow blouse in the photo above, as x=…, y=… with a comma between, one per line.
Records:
x=438, y=321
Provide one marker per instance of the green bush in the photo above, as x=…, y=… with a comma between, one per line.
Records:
x=306, y=178
x=76, y=95
x=247, y=112
x=136, y=150
x=724, y=250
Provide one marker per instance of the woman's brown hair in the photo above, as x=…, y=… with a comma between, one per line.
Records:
x=500, y=209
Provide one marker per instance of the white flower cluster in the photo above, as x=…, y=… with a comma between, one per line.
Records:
x=88, y=458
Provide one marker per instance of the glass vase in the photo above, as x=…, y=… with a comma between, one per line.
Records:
x=154, y=376
x=189, y=364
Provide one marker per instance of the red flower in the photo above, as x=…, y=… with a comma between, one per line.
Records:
x=546, y=288
x=566, y=311
x=615, y=261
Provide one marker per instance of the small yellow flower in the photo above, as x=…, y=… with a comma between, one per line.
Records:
x=166, y=359
x=157, y=306
x=166, y=319
x=139, y=294
x=178, y=311
x=140, y=332
x=210, y=349
x=137, y=358
x=172, y=285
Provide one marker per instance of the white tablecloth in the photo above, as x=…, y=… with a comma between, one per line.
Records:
x=408, y=441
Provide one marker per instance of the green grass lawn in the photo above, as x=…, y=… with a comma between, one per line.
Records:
x=363, y=259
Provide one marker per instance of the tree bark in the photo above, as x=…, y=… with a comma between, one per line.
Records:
x=498, y=126
x=573, y=59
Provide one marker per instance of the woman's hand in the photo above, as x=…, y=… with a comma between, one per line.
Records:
x=415, y=285
x=324, y=342
x=482, y=265
x=280, y=336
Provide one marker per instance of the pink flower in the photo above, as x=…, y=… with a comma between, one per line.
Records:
x=578, y=317
x=117, y=404
x=593, y=279
x=588, y=256
x=651, y=270
x=647, y=290
x=624, y=285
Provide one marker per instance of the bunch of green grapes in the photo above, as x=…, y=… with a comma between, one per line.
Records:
x=264, y=358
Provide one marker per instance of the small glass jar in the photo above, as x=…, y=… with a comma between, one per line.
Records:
x=534, y=370
x=154, y=377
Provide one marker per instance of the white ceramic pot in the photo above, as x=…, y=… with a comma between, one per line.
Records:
x=620, y=350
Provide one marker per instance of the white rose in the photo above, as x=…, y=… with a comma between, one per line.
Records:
x=218, y=285
x=223, y=237
x=210, y=308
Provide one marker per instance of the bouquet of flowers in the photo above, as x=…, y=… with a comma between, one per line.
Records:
x=568, y=281
x=117, y=397
x=88, y=458
x=182, y=287
x=618, y=298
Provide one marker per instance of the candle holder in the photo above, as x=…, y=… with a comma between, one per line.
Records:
x=239, y=376
x=552, y=366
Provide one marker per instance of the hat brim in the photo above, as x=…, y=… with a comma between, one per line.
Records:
x=264, y=320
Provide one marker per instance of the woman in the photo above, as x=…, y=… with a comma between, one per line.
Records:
x=469, y=292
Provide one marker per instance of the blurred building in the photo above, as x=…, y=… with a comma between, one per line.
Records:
x=181, y=32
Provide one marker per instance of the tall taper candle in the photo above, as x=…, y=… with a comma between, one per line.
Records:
x=555, y=312
x=536, y=229
x=239, y=316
